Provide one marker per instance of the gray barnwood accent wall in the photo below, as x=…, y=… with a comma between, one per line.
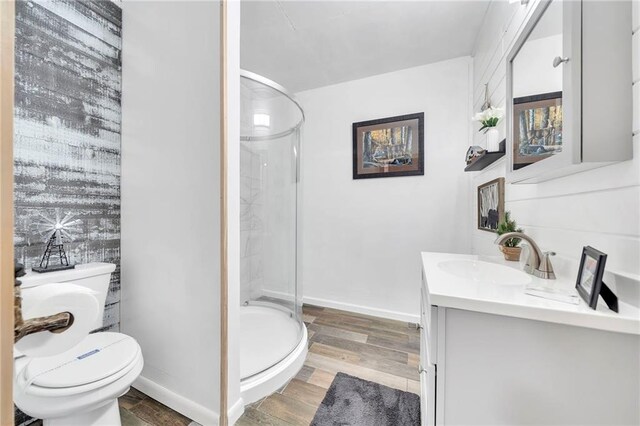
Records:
x=67, y=130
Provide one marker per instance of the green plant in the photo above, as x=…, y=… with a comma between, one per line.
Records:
x=509, y=225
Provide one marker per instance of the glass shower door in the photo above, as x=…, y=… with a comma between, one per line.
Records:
x=269, y=168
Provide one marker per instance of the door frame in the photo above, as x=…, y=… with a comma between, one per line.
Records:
x=7, y=41
x=224, y=234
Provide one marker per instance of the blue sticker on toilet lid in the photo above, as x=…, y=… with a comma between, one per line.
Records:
x=93, y=352
x=98, y=356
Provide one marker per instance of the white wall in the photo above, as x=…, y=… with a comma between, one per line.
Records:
x=600, y=207
x=170, y=200
x=362, y=238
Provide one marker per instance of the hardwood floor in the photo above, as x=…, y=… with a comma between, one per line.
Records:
x=375, y=349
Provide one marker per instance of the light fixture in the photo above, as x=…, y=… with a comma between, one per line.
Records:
x=261, y=120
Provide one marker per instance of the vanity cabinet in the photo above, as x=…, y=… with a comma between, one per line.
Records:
x=569, y=90
x=427, y=365
x=485, y=359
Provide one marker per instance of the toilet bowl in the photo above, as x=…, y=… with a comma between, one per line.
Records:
x=81, y=386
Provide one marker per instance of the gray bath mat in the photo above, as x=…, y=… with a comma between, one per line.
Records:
x=351, y=401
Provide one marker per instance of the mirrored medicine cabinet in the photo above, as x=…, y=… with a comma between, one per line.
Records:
x=569, y=97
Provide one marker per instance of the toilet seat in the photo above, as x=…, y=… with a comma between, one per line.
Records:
x=54, y=402
x=41, y=391
x=98, y=360
x=98, y=357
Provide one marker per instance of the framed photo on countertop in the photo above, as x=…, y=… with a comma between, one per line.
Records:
x=589, y=282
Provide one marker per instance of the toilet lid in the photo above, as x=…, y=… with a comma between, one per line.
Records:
x=97, y=357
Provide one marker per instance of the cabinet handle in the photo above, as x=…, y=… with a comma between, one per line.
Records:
x=558, y=60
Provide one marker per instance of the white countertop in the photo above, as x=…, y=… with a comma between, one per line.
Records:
x=450, y=291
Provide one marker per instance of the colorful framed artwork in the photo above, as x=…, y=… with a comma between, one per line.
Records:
x=490, y=205
x=389, y=147
x=537, y=128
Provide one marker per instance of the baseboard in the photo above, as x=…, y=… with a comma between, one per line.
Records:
x=375, y=312
x=236, y=410
x=276, y=294
x=179, y=403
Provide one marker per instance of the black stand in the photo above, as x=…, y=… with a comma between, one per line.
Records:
x=64, y=261
x=609, y=298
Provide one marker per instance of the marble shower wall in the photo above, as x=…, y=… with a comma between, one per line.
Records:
x=252, y=222
x=67, y=129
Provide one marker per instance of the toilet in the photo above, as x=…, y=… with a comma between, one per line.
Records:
x=80, y=386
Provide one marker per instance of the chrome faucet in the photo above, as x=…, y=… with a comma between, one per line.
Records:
x=538, y=263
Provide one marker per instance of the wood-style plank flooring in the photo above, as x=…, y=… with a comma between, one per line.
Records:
x=375, y=349
x=137, y=409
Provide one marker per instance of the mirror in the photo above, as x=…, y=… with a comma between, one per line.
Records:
x=537, y=91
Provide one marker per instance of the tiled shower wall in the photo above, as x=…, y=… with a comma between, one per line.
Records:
x=67, y=130
x=252, y=223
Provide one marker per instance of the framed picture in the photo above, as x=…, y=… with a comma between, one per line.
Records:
x=389, y=147
x=490, y=205
x=537, y=128
x=589, y=282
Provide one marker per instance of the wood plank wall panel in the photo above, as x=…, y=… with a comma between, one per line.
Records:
x=566, y=213
x=67, y=130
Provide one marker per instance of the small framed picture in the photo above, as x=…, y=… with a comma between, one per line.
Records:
x=589, y=282
x=490, y=205
x=389, y=147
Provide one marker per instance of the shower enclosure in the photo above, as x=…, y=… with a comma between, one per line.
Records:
x=272, y=334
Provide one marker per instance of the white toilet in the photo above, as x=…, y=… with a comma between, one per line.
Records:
x=80, y=386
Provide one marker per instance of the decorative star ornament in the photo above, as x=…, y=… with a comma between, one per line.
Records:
x=61, y=227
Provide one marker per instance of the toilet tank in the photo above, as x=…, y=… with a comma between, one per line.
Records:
x=95, y=276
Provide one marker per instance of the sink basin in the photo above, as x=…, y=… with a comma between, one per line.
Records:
x=484, y=272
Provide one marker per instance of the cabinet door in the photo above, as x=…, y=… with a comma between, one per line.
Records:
x=428, y=322
x=426, y=332
x=542, y=100
x=427, y=366
x=428, y=396
x=569, y=99
x=425, y=314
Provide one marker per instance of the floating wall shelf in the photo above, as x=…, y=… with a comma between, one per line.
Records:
x=487, y=158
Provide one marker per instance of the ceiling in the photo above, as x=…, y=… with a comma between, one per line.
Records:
x=308, y=44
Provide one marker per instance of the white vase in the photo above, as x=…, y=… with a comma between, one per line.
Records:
x=493, y=139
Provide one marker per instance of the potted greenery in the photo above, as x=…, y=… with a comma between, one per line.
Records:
x=510, y=247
